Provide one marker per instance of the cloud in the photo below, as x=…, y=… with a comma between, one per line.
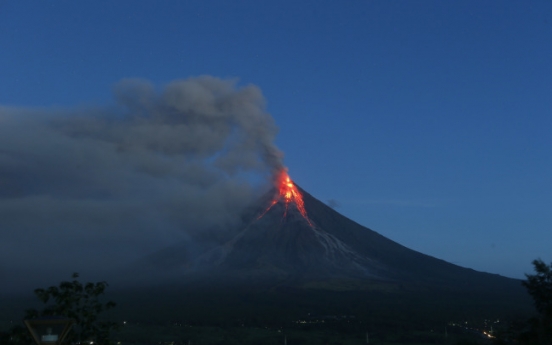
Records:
x=90, y=186
x=333, y=203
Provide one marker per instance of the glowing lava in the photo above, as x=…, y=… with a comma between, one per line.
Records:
x=288, y=193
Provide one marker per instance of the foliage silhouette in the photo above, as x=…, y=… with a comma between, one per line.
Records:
x=74, y=300
x=539, y=286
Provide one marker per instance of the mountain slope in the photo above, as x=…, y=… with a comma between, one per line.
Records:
x=285, y=263
x=281, y=242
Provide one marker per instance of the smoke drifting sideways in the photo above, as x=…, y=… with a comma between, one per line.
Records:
x=85, y=189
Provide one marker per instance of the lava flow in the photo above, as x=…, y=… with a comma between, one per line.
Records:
x=288, y=193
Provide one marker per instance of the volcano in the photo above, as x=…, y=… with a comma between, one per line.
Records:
x=290, y=237
x=293, y=256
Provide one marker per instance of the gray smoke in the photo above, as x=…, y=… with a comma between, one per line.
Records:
x=92, y=187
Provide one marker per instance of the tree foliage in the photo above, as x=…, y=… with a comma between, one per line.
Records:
x=539, y=286
x=77, y=301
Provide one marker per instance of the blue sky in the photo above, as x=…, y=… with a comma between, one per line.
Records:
x=428, y=122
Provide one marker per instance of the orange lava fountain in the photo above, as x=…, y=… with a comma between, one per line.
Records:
x=288, y=193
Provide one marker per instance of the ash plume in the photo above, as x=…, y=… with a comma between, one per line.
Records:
x=98, y=185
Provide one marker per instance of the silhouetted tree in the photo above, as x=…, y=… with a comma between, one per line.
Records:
x=539, y=286
x=74, y=300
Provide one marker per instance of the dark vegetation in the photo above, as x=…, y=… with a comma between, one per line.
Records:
x=538, y=329
x=72, y=299
x=181, y=314
x=228, y=315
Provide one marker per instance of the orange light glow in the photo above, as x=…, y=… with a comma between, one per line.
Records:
x=290, y=194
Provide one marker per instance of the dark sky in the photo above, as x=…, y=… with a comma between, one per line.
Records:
x=428, y=122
